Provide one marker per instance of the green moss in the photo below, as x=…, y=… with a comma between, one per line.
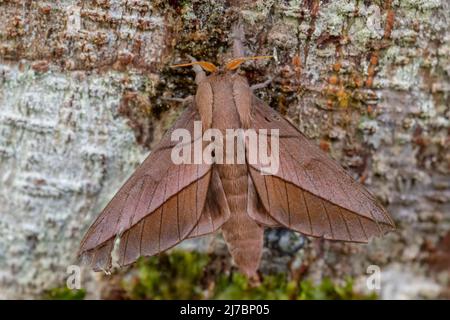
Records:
x=64, y=293
x=272, y=287
x=187, y=275
x=328, y=290
x=174, y=276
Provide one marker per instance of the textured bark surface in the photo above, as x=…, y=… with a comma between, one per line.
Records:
x=81, y=84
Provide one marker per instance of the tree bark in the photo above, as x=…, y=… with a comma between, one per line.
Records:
x=81, y=84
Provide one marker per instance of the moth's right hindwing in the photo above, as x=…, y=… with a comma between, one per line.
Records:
x=311, y=193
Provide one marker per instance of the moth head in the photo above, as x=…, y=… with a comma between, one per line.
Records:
x=229, y=66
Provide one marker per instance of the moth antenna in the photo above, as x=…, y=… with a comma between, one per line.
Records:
x=207, y=66
x=235, y=63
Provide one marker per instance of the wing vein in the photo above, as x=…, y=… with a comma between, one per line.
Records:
x=141, y=232
x=328, y=218
x=362, y=228
x=125, y=248
x=178, y=203
x=267, y=192
x=289, y=207
x=161, y=218
x=345, y=222
x=307, y=210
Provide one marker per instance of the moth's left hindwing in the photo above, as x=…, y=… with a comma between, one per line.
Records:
x=311, y=193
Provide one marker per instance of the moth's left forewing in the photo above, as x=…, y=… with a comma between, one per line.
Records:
x=158, y=207
x=310, y=192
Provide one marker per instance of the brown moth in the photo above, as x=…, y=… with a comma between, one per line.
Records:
x=164, y=203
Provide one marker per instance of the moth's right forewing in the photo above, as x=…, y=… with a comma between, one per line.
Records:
x=159, y=205
x=310, y=192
